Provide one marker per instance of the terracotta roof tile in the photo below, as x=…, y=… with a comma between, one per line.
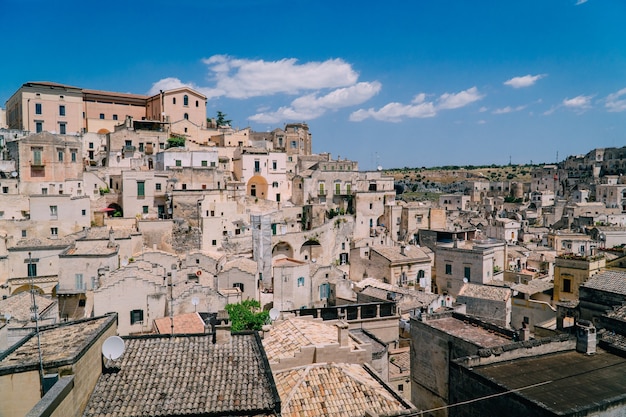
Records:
x=186, y=375
x=334, y=390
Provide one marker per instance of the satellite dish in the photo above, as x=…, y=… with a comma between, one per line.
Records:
x=113, y=347
x=465, y=280
x=14, y=174
x=7, y=316
x=195, y=301
x=379, y=167
x=274, y=313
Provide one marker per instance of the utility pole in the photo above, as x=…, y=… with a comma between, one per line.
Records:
x=36, y=316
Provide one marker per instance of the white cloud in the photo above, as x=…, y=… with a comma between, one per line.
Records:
x=616, y=102
x=454, y=101
x=579, y=2
x=170, y=83
x=244, y=78
x=419, y=108
x=312, y=106
x=395, y=112
x=578, y=103
x=524, y=81
x=483, y=109
x=508, y=109
x=481, y=122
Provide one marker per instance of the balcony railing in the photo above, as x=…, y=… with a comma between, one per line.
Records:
x=129, y=148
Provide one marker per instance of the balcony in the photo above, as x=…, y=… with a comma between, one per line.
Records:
x=129, y=148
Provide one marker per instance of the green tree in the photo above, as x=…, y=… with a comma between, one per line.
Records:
x=246, y=315
x=221, y=119
x=175, y=142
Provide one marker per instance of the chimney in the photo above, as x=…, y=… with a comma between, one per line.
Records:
x=222, y=328
x=343, y=335
x=524, y=333
x=585, y=337
x=402, y=247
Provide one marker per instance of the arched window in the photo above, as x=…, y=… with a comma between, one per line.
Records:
x=185, y=100
x=186, y=116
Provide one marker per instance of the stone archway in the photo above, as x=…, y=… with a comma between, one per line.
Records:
x=282, y=248
x=26, y=287
x=311, y=249
x=257, y=187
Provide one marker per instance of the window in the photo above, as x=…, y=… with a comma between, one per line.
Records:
x=61, y=110
x=44, y=191
x=73, y=155
x=141, y=188
x=185, y=100
x=90, y=145
x=83, y=212
x=300, y=281
x=197, y=104
x=275, y=184
x=32, y=270
x=24, y=233
x=60, y=154
x=400, y=387
x=173, y=100
x=184, y=186
x=115, y=117
x=136, y=317
x=158, y=186
x=257, y=165
x=101, y=116
x=204, y=163
x=78, y=281
x=324, y=291
x=214, y=242
x=145, y=209
x=448, y=269
x=294, y=144
x=418, y=219
x=178, y=162
x=54, y=231
x=274, y=165
x=38, y=127
x=140, y=146
x=567, y=285
x=467, y=272
x=238, y=285
x=5, y=190
x=37, y=108
x=53, y=209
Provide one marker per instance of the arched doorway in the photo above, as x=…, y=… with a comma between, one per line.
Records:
x=310, y=250
x=257, y=187
x=26, y=287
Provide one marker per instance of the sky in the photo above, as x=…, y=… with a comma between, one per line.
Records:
x=399, y=83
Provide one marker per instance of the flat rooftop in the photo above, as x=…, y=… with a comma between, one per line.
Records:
x=470, y=332
x=573, y=381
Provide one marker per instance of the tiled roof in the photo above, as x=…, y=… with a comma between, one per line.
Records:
x=61, y=343
x=286, y=338
x=393, y=253
x=609, y=281
x=243, y=264
x=534, y=286
x=19, y=305
x=187, y=375
x=183, y=324
x=399, y=363
x=341, y=390
x=484, y=292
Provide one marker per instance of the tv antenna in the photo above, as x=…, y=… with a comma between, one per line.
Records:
x=195, y=301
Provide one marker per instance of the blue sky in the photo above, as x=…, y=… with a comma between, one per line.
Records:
x=396, y=83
